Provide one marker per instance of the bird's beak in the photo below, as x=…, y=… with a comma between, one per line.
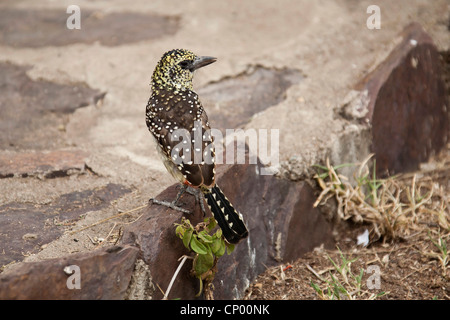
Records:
x=201, y=62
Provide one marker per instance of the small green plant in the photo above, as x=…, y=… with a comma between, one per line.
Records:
x=345, y=268
x=443, y=255
x=342, y=283
x=333, y=291
x=207, y=246
x=371, y=184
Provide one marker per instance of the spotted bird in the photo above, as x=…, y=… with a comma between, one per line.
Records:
x=179, y=124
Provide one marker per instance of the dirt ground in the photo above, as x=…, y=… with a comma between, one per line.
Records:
x=410, y=267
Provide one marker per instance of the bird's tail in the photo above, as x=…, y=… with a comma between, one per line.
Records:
x=229, y=220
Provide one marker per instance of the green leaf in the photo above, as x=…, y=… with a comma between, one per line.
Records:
x=211, y=223
x=203, y=263
x=215, y=246
x=218, y=233
x=203, y=235
x=187, y=236
x=230, y=248
x=316, y=288
x=179, y=231
x=218, y=247
x=197, y=246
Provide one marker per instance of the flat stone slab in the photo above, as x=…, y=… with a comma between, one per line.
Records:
x=27, y=226
x=48, y=27
x=233, y=101
x=103, y=274
x=58, y=163
x=33, y=113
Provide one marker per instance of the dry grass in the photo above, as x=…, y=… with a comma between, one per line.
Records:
x=408, y=220
x=396, y=207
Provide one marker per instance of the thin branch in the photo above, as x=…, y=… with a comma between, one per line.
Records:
x=315, y=273
x=109, y=218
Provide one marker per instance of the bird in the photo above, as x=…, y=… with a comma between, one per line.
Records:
x=179, y=125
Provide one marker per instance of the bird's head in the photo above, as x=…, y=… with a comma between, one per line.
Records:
x=176, y=68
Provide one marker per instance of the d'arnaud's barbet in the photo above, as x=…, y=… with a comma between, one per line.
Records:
x=174, y=111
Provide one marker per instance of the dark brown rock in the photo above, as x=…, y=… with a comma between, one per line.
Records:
x=281, y=219
x=104, y=274
x=408, y=104
x=154, y=234
x=282, y=222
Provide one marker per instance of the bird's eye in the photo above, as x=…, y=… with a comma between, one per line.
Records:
x=184, y=64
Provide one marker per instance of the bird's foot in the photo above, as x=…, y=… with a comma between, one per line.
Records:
x=199, y=197
x=172, y=205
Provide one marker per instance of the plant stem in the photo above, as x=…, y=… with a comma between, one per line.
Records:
x=184, y=258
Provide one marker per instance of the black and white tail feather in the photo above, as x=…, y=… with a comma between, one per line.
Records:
x=229, y=220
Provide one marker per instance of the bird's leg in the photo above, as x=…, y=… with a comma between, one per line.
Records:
x=183, y=189
x=199, y=197
x=173, y=204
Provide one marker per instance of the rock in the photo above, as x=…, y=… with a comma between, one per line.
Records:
x=103, y=274
x=407, y=104
x=110, y=29
x=160, y=249
x=26, y=227
x=33, y=113
x=233, y=101
x=282, y=222
x=42, y=164
x=141, y=286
